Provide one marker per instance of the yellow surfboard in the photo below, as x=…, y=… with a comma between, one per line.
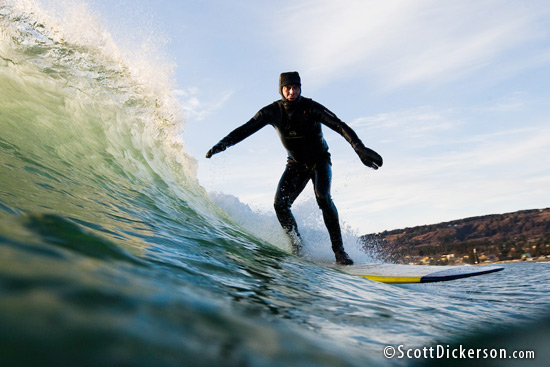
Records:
x=399, y=273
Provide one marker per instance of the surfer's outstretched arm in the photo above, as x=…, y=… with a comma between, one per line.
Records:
x=239, y=134
x=368, y=156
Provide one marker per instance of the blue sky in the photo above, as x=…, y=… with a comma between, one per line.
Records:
x=453, y=94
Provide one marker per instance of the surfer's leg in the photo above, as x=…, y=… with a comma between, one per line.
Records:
x=292, y=183
x=322, y=177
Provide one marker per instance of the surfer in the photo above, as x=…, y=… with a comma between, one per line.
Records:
x=298, y=121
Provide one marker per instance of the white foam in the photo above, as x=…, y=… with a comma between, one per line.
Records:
x=316, y=241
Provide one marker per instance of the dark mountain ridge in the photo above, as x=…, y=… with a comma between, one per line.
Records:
x=521, y=235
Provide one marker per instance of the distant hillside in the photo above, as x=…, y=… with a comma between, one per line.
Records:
x=513, y=236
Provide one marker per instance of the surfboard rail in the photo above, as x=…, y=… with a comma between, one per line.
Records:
x=401, y=273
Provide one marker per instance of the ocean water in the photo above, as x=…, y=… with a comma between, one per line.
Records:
x=111, y=254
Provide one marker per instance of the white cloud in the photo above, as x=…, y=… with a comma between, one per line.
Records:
x=423, y=118
x=516, y=102
x=194, y=108
x=479, y=174
x=401, y=42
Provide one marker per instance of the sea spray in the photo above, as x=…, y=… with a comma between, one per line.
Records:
x=316, y=241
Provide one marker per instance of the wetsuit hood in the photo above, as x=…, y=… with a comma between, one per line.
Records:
x=288, y=78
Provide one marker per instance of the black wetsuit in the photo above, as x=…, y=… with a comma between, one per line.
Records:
x=298, y=124
x=299, y=127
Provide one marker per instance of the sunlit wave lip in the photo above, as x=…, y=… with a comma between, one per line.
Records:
x=93, y=135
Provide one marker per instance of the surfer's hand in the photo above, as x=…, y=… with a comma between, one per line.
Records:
x=369, y=157
x=220, y=147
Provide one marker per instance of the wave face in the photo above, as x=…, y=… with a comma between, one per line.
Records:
x=112, y=254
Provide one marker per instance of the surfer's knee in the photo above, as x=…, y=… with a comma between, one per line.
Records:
x=324, y=201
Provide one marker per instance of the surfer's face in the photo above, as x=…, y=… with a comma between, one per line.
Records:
x=291, y=92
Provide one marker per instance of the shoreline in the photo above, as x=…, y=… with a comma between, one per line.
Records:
x=531, y=260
